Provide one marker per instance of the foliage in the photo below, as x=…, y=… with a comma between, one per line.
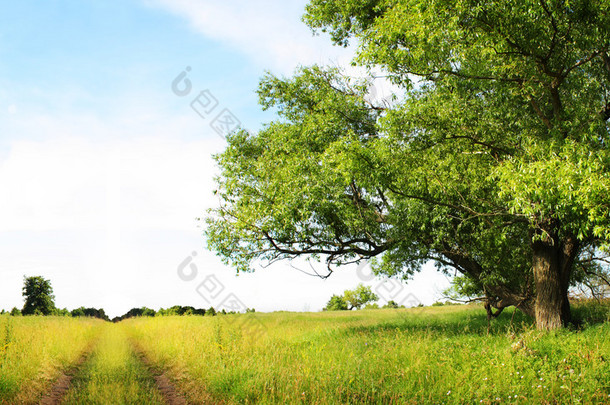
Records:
x=180, y=310
x=336, y=303
x=39, y=298
x=391, y=304
x=351, y=299
x=91, y=312
x=143, y=311
x=492, y=159
x=15, y=312
x=61, y=312
x=359, y=297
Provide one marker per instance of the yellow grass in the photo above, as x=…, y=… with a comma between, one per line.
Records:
x=34, y=350
x=113, y=374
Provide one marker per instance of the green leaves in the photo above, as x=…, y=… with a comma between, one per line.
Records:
x=501, y=134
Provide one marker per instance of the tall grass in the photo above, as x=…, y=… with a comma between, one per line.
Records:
x=34, y=350
x=114, y=374
x=423, y=355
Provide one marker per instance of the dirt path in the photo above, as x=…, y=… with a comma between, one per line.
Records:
x=57, y=393
x=164, y=385
x=63, y=382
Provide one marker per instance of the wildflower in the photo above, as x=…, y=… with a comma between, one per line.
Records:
x=448, y=392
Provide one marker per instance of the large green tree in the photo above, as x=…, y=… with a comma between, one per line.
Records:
x=39, y=298
x=492, y=160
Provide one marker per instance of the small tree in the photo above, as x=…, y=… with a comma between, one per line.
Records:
x=15, y=312
x=336, y=303
x=39, y=298
x=359, y=297
x=393, y=304
x=61, y=312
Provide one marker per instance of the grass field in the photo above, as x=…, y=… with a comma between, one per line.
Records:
x=420, y=355
x=34, y=350
x=114, y=374
x=444, y=355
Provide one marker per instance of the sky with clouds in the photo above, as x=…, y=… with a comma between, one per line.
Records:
x=104, y=166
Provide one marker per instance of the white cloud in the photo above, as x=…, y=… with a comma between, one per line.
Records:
x=270, y=32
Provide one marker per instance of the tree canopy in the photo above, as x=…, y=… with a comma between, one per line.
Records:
x=491, y=160
x=352, y=299
x=39, y=298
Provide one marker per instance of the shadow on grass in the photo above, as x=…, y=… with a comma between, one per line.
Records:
x=588, y=312
x=470, y=322
x=473, y=321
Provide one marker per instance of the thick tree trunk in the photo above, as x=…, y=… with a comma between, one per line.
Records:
x=552, y=264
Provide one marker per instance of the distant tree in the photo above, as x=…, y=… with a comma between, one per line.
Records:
x=250, y=310
x=148, y=312
x=210, y=312
x=393, y=304
x=359, y=297
x=91, y=312
x=61, y=312
x=199, y=311
x=78, y=312
x=336, y=303
x=39, y=298
x=15, y=312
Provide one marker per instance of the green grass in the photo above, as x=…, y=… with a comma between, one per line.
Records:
x=422, y=355
x=113, y=374
x=34, y=350
x=442, y=355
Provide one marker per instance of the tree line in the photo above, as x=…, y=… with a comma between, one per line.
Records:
x=40, y=300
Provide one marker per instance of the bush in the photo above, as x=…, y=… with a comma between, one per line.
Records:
x=336, y=303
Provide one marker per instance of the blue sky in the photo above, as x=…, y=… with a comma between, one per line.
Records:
x=103, y=169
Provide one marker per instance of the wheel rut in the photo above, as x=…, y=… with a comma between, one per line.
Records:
x=62, y=384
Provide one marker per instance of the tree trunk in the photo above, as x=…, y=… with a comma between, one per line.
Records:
x=552, y=263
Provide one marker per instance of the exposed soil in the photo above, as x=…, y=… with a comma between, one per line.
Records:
x=164, y=385
x=63, y=382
